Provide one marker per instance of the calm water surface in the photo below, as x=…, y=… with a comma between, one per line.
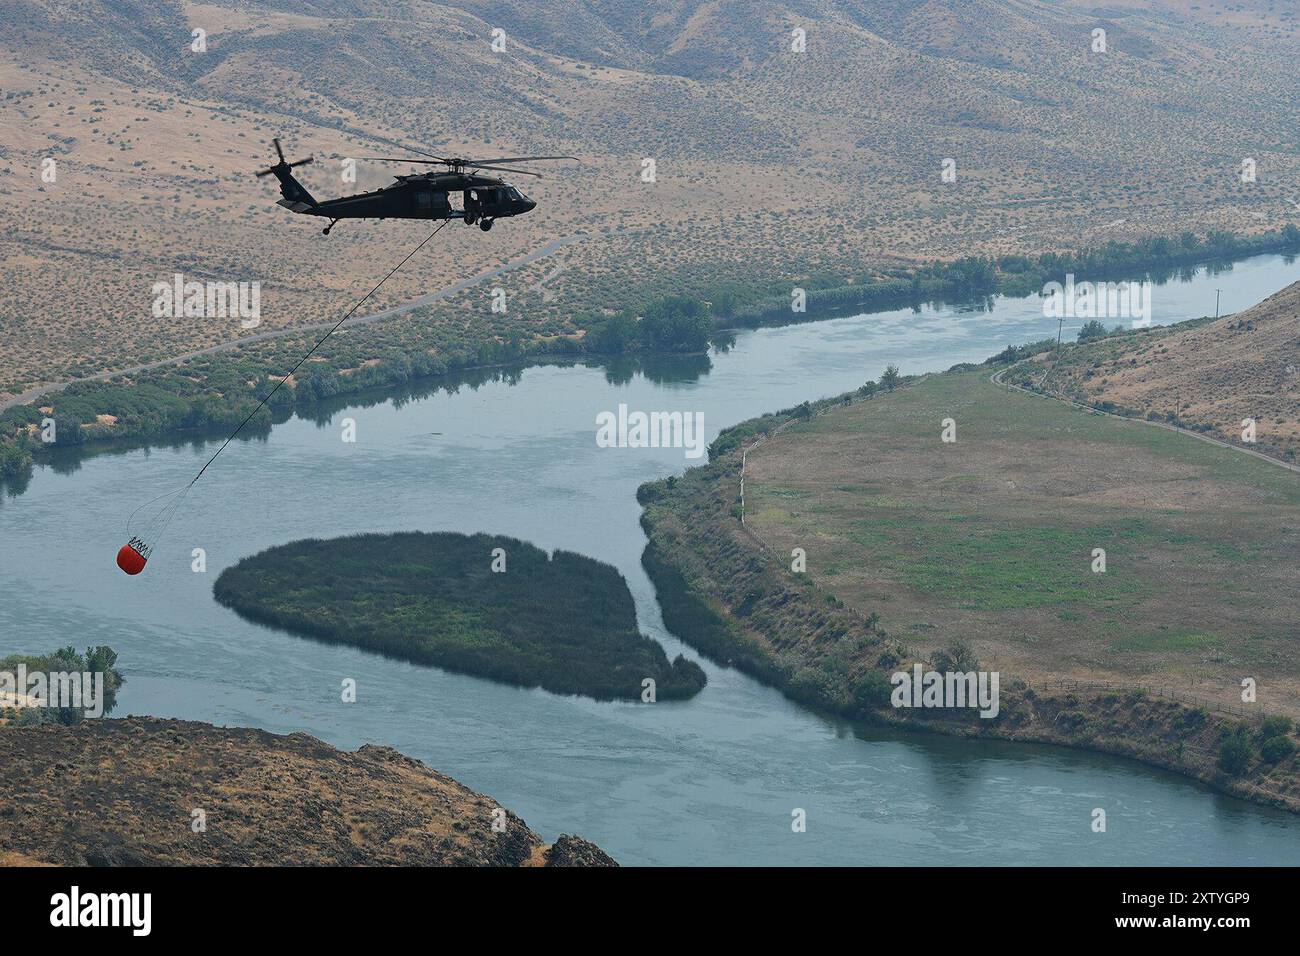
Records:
x=712, y=780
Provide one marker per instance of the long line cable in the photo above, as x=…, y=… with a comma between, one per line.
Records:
x=347, y=315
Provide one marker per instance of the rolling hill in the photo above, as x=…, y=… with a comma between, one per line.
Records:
x=124, y=792
x=1207, y=376
x=766, y=158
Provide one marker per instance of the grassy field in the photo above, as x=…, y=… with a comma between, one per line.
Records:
x=990, y=538
x=913, y=545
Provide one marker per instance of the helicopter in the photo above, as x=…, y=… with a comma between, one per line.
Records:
x=485, y=198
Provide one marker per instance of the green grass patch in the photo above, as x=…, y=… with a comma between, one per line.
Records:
x=563, y=622
x=1165, y=641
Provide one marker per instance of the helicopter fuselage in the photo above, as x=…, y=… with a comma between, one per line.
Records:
x=418, y=195
x=425, y=196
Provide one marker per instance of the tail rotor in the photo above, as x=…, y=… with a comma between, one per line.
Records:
x=282, y=166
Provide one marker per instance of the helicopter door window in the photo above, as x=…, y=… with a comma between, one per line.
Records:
x=423, y=199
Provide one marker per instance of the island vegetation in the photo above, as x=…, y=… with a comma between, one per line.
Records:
x=484, y=605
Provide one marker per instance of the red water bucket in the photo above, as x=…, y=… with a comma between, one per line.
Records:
x=130, y=560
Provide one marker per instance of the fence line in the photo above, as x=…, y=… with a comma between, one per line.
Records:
x=1249, y=711
x=853, y=399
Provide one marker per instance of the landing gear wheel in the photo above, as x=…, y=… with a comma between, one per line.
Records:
x=485, y=225
x=470, y=218
x=326, y=230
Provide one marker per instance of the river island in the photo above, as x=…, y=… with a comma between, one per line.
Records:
x=484, y=605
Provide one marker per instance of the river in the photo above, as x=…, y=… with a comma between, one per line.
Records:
x=710, y=781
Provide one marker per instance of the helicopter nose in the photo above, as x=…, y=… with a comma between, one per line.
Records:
x=529, y=204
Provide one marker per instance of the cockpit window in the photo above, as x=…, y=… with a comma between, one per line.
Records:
x=514, y=194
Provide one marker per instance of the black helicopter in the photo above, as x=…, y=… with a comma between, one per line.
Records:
x=417, y=196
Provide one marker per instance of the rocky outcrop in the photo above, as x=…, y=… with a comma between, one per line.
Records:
x=575, y=851
x=145, y=792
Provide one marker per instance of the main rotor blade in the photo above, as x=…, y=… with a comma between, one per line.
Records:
x=460, y=161
x=418, y=162
x=422, y=152
x=512, y=159
x=506, y=169
x=430, y=162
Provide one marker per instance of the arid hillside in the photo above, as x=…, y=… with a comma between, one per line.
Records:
x=788, y=139
x=1211, y=377
x=129, y=792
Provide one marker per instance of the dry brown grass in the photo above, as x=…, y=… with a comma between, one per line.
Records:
x=121, y=792
x=1214, y=375
x=990, y=539
x=768, y=162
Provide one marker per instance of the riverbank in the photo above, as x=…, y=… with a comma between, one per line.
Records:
x=1157, y=259
x=485, y=605
x=877, y=597
x=140, y=791
x=215, y=390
